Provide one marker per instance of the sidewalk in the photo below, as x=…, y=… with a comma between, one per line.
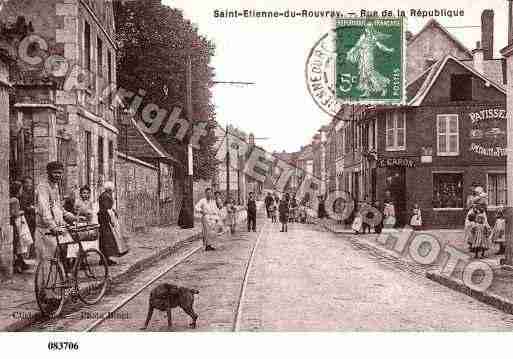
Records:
x=500, y=292
x=18, y=308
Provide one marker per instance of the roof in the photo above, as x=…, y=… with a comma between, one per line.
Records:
x=492, y=69
x=156, y=149
x=434, y=23
x=428, y=79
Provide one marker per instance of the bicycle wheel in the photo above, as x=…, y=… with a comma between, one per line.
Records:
x=91, y=275
x=49, y=283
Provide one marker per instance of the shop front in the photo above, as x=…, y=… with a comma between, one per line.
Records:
x=464, y=147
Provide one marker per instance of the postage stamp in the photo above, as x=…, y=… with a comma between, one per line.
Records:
x=370, y=56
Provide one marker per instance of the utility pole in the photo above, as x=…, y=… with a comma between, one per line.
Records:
x=227, y=163
x=186, y=217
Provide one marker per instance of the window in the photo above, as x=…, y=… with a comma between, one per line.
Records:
x=87, y=151
x=99, y=54
x=100, y=159
x=109, y=67
x=497, y=189
x=461, y=88
x=447, y=128
x=447, y=190
x=87, y=46
x=111, y=160
x=395, y=131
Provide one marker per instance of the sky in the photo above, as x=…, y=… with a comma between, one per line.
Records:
x=273, y=52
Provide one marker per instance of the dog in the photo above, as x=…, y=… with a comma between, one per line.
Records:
x=166, y=296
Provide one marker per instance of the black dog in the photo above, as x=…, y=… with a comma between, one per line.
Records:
x=166, y=296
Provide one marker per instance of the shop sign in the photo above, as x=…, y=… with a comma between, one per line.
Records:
x=488, y=133
x=396, y=162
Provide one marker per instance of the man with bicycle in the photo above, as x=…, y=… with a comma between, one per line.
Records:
x=50, y=214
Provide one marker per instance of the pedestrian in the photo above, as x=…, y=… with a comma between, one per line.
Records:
x=20, y=228
x=416, y=218
x=251, y=212
x=498, y=232
x=284, y=213
x=364, y=212
x=51, y=217
x=378, y=227
x=231, y=214
x=27, y=204
x=389, y=214
x=112, y=242
x=480, y=201
x=272, y=210
x=293, y=208
x=268, y=200
x=321, y=209
x=209, y=212
x=480, y=235
x=357, y=221
x=84, y=206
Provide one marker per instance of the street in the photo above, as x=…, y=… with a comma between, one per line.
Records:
x=304, y=280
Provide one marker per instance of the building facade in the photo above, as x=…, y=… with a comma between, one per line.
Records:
x=451, y=136
x=60, y=111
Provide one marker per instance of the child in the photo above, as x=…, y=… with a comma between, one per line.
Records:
x=498, y=232
x=231, y=212
x=481, y=236
x=284, y=213
x=272, y=211
x=389, y=214
x=357, y=222
x=416, y=218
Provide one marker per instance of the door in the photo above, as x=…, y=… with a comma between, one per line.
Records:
x=396, y=184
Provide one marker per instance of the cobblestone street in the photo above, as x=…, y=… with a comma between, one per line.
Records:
x=305, y=280
x=308, y=280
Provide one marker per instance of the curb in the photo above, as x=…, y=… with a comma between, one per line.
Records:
x=139, y=265
x=36, y=316
x=493, y=300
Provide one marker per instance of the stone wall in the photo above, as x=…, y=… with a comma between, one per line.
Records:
x=137, y=193
x=5, y=230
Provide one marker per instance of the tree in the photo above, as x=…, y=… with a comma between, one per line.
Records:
x=152, y=41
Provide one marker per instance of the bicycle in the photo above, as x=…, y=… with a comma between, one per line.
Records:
x=89, y=273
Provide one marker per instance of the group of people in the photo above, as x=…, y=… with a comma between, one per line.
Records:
x=285, y=209
x=217, y=214
x=479, y=235
x=376, y=217
x=41, y=210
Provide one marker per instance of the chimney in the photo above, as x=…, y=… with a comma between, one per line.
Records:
x=478, y=57
x=487, y=33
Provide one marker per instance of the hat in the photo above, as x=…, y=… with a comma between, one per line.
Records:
x=53, y=166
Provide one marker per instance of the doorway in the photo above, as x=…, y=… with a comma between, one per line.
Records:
x=396, y=184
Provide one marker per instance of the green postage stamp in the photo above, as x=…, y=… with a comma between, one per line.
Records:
x=370, y=60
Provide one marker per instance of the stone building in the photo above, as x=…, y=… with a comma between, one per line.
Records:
x=59, y=111
x=6, y=242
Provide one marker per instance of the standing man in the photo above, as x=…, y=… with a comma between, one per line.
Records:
x=251, y=208
x=268, y=201
x=51, y=215
x=207, y=208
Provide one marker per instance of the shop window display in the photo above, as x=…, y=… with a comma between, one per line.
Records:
x=447, y=190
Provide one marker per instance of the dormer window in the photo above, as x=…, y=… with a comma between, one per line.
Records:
x=461, y=88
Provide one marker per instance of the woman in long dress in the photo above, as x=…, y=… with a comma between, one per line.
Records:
x=110, y=243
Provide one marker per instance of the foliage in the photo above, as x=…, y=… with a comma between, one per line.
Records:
x=153, y=41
